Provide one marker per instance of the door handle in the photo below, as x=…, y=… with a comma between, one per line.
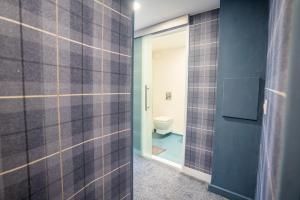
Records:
x=146, y=98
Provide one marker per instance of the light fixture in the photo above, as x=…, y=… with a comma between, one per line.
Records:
x=136, y=6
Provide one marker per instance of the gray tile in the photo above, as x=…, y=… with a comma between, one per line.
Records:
x=110, y=123
x=13, y=151
x=124, y=121
x=125, y=65
x=126, y=8
x=92, y=127
x=14, y=185
x=124, y=102
x=111, y=186
x=92, y=34
x=70, y=108
x=70, y=80
x=111, y=40
x=70, y=54
x=201, y=98
x=94, y=190
x=125, y=83
x=41, y=112
x=81, y=117
x=114, y=4
x=92, y=82
x=11, y=78
x=42, y=142
x=69, y=25
x=80, y=195
x=92, y=12
x=12, y=129
x=38, y=47
x=92, y=59
x=11, y=116
x=40, y=79
x=45, y=179
x=125, y=181
x=111, y=144
x=92, y=106
x=10, y=40
x=10, y=9
x=110, y=104
x=72, y=159
x=111, y=82
x=72, y=6
x=93, y=165
x=125, y=45
x=111, y=20
x=71, y=133
x=125, y=147
x=73, y=171
x=111, y=62
x=40, y=14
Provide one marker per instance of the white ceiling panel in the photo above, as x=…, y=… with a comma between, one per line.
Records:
x=156, y=11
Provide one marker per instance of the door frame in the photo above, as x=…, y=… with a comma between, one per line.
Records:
x=147, y=118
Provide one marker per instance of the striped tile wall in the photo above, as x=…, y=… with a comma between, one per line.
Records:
x=202, y=69
x=65, y=99
x=273, y=136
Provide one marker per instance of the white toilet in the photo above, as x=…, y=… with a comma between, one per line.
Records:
x=162, y=124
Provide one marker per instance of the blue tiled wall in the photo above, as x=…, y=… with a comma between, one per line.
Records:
x=203, y=56
x=65, y=99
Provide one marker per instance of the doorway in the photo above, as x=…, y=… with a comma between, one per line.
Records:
x=164, y=66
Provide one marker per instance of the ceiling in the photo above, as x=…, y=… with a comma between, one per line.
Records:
x=156, y=11
x=173, y=40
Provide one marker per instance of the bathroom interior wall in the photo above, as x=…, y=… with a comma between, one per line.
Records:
x=169, y=75
x=203, y=57
x=65, y=99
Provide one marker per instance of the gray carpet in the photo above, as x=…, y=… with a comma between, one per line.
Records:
x=156, y=181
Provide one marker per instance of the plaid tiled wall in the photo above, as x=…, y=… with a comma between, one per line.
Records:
x=65, y=99
x=201, y=90
x=268, y=181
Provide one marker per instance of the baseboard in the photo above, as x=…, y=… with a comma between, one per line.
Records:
x=196, y=174
x=227, y=193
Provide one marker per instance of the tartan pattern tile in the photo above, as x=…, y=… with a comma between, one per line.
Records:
x=269, y=185
x=65, y=99
x=203, y=58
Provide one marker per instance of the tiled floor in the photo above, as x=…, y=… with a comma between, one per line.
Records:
x=173, y=143
x=156, y=181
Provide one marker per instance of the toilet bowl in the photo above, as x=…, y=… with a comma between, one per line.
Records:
x=162, y=124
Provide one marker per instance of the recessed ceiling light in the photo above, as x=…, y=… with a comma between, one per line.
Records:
x=136, y=6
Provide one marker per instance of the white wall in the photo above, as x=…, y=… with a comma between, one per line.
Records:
x=169, y=74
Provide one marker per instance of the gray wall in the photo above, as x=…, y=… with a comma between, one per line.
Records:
x=242, y=54
x=203, y=55
x=65, y=99
x=279, y=168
